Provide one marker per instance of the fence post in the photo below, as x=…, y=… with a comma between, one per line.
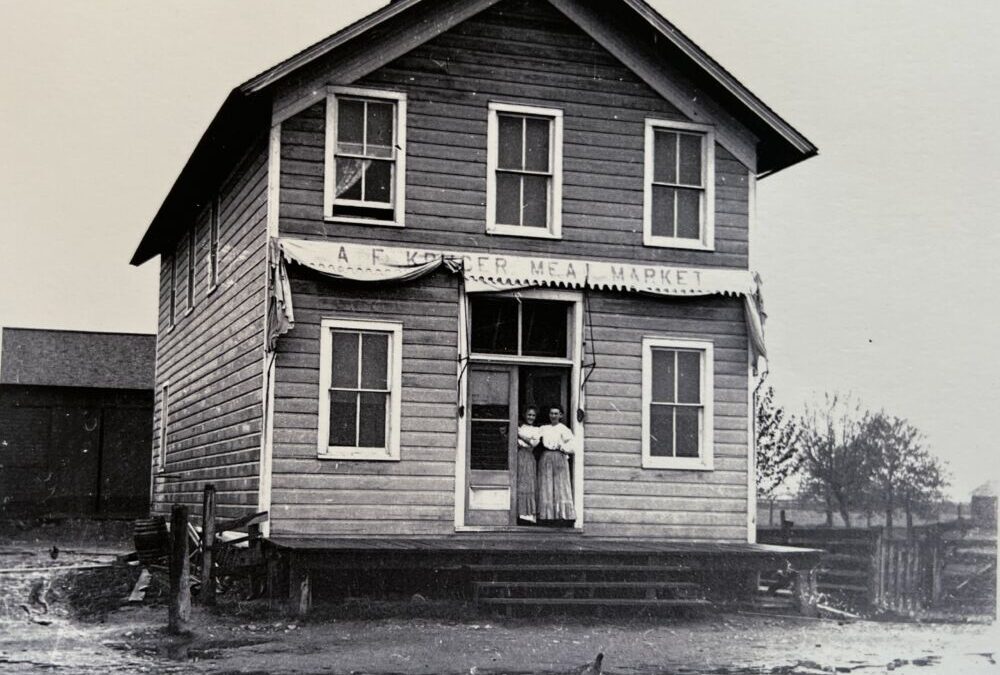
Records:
x=208, y=546
x=179, y=616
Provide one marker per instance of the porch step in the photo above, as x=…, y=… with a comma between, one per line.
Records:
x=617, y=583
x=600, y=602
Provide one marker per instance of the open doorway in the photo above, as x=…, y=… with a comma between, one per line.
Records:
x=523, y=353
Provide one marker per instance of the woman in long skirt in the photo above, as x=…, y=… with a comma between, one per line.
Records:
x=528, y=436
x=555, y=490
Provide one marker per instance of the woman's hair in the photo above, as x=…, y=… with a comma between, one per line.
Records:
x=556, y=406
x=527, y=408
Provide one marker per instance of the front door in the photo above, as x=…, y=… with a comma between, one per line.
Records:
x=491, y=458
x=499, y=394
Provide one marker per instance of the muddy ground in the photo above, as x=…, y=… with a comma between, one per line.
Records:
x=76, y=621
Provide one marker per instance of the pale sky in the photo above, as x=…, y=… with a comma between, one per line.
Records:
x=878, y=257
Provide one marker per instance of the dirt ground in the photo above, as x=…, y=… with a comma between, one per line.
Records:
x=70, y=622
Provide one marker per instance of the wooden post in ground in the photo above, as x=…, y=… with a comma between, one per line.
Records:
x=806, y=592
x=180, y=573
x=208, y=546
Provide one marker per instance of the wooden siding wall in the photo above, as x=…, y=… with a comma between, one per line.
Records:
x=413, y=496
x=528, y=53
x=212, y=356
x=619, y=495
x=521, y=52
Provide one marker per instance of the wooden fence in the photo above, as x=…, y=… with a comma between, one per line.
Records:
x=946, y=566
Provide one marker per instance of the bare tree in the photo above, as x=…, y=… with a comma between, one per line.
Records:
x=834, y=464
x=777, y=451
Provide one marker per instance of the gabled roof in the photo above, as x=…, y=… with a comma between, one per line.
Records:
x=67, y=358
x=245, y=114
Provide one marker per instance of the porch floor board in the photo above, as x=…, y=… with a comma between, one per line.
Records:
x=558, y=543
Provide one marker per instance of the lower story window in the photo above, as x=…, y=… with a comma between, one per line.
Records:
x=360, y=372
x=677, y=404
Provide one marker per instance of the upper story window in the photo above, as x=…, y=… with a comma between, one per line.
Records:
x=213, y=245
x=360, y=383
x=677, y=403
x=524, y=171
x=680, y=185
x=365, y=156
x=192, y=240
x=172, y=274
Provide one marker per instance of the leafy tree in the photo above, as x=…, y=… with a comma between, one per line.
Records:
x=777, y=450
x=833, y=461
x=901, y=472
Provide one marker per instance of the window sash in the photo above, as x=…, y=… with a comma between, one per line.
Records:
x=364, y=155
x=677, y=415
x=213, y=245
x=191, y=241
x=519, y=346
x=524, y=167
x=369, y=397
x=173, y=289
x=679, y=210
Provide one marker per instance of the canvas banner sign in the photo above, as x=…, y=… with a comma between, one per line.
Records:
x=499, y=272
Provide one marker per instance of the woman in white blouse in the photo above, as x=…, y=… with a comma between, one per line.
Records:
x=528, y=436
x=555, y=491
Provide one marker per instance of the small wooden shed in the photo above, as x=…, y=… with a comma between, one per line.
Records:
x=76, y=414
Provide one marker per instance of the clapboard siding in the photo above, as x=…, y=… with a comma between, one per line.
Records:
x=683, y=504
x=212, y=355
x=528, y=53
x=416, y=494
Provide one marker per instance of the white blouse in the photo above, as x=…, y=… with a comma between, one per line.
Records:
x=558, y=437
x=528, y=436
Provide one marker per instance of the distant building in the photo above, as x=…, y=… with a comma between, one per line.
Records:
x=984, y=505
x=75, y=423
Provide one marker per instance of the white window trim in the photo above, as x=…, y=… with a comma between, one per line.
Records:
x=191, y=270
x=330, y=173
x=554, y=230
x=390, y=453
x=172, y=295
x=164, y=421
x=212, y=239
x=705, y=459
x=707, y=241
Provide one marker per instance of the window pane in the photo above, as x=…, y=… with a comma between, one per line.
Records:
x=380, y=118
x=489, y=447
x=537, y=144
x=343, y=418
x=687, y=431
x=690, y=173
x=665, y=157
x=374, y=361
x=689, y=214
x=661, y=430
x=378, y=181
x=508, y=199
x=345, y=360
x=349, y=178
x=662, y=224
x=689, y=377
x=663, y=375
x=510, y=142
x=544, y=329
x=372, y=417
x=536, y=201
x=350, y=125
x=494, y=326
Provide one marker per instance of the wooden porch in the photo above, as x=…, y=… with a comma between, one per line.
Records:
x=551, y=568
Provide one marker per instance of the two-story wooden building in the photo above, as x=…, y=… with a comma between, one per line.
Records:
x=389, y=245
